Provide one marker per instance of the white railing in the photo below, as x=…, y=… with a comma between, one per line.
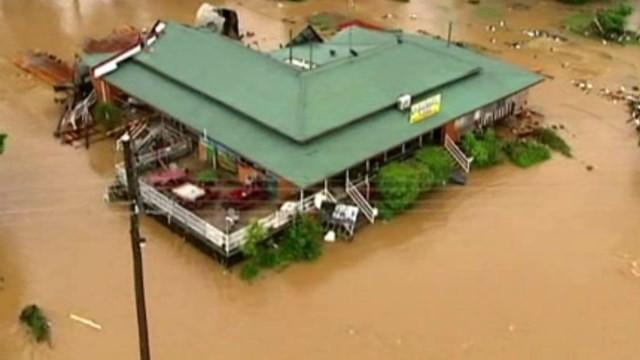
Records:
x=275, y=220
x=457, y=154
x=230, y=243
x=170, y=152
x=174, y=211
x=367, y=210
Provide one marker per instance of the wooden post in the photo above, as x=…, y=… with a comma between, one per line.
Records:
x=449, y=34
x=346, y=182
x=366, y=179
x=290, y=47
x=301, y=200
x=135, y=206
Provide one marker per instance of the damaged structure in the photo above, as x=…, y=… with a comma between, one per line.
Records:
x=238, y=134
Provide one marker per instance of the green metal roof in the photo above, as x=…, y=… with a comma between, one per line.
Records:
x=305, y=163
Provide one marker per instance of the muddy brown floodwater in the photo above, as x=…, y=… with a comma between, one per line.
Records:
x=519, y=264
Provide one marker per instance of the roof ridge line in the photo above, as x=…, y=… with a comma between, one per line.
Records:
x=302, y=101
x=366, y=54
x=220, y=101
x=238, y=44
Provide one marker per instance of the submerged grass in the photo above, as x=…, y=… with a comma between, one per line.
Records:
x=580, y=22
x=551, y=138
x=490, y=12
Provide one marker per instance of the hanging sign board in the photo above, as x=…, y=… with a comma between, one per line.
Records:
x=425, y=108
x=226, y=159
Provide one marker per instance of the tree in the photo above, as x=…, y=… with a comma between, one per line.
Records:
x=613, y=21
x=256, y=233
x=399, y=185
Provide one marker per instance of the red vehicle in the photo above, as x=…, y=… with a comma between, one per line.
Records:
x=245, y=197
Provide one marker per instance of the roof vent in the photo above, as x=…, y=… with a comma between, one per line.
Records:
x=300, y=63
x=404, y=102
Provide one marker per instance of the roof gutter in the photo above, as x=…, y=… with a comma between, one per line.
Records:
x=111, y=64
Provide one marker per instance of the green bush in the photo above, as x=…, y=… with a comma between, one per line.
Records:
x=485, y=148
x=250, y=270
x=302, y=240
x=439, y=162
x=614, y=19
x=525, y=153
x=37, y=323
x=3, y=137
x=551, y=138
x=399, y=185
x=256, y=233
x=107, y=115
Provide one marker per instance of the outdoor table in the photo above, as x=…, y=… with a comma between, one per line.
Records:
x=189, y=192
x=164, y=177
x=345, y=213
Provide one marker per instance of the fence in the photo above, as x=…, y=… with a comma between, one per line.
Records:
x=227, y=243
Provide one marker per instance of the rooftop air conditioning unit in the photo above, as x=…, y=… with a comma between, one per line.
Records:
x=404, y=102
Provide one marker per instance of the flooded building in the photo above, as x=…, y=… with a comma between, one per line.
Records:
x=236, y=134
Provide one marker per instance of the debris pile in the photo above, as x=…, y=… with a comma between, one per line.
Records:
x=583, y=85
x=525, y=123
x=630, y=96
x=120, y=38
x=45, y=66
x=538, y=33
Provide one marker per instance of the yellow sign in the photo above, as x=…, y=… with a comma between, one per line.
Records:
x=425, y=108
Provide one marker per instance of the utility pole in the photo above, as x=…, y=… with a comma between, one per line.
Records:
x=135, y=206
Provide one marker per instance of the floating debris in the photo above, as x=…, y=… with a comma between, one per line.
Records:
x=583, y=85
x=85, y=321
x=120, y=38
x=538, y=33
x=45, y=66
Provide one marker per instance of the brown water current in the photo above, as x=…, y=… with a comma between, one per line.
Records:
x=518, y=264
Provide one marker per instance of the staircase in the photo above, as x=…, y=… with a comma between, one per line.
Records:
x=457, y=154
x=361, y=202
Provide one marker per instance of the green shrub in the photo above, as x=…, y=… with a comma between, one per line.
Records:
x=3, y=137
x=614, y=19
x=250, y=270
x=425, y=177
x=256, y=233
x=107, y=115
x=525, y=153
x=302, y=240
x=485, y=148
x=551, y=138
x=37, y=323
x=399, y=185
x=439, y=162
